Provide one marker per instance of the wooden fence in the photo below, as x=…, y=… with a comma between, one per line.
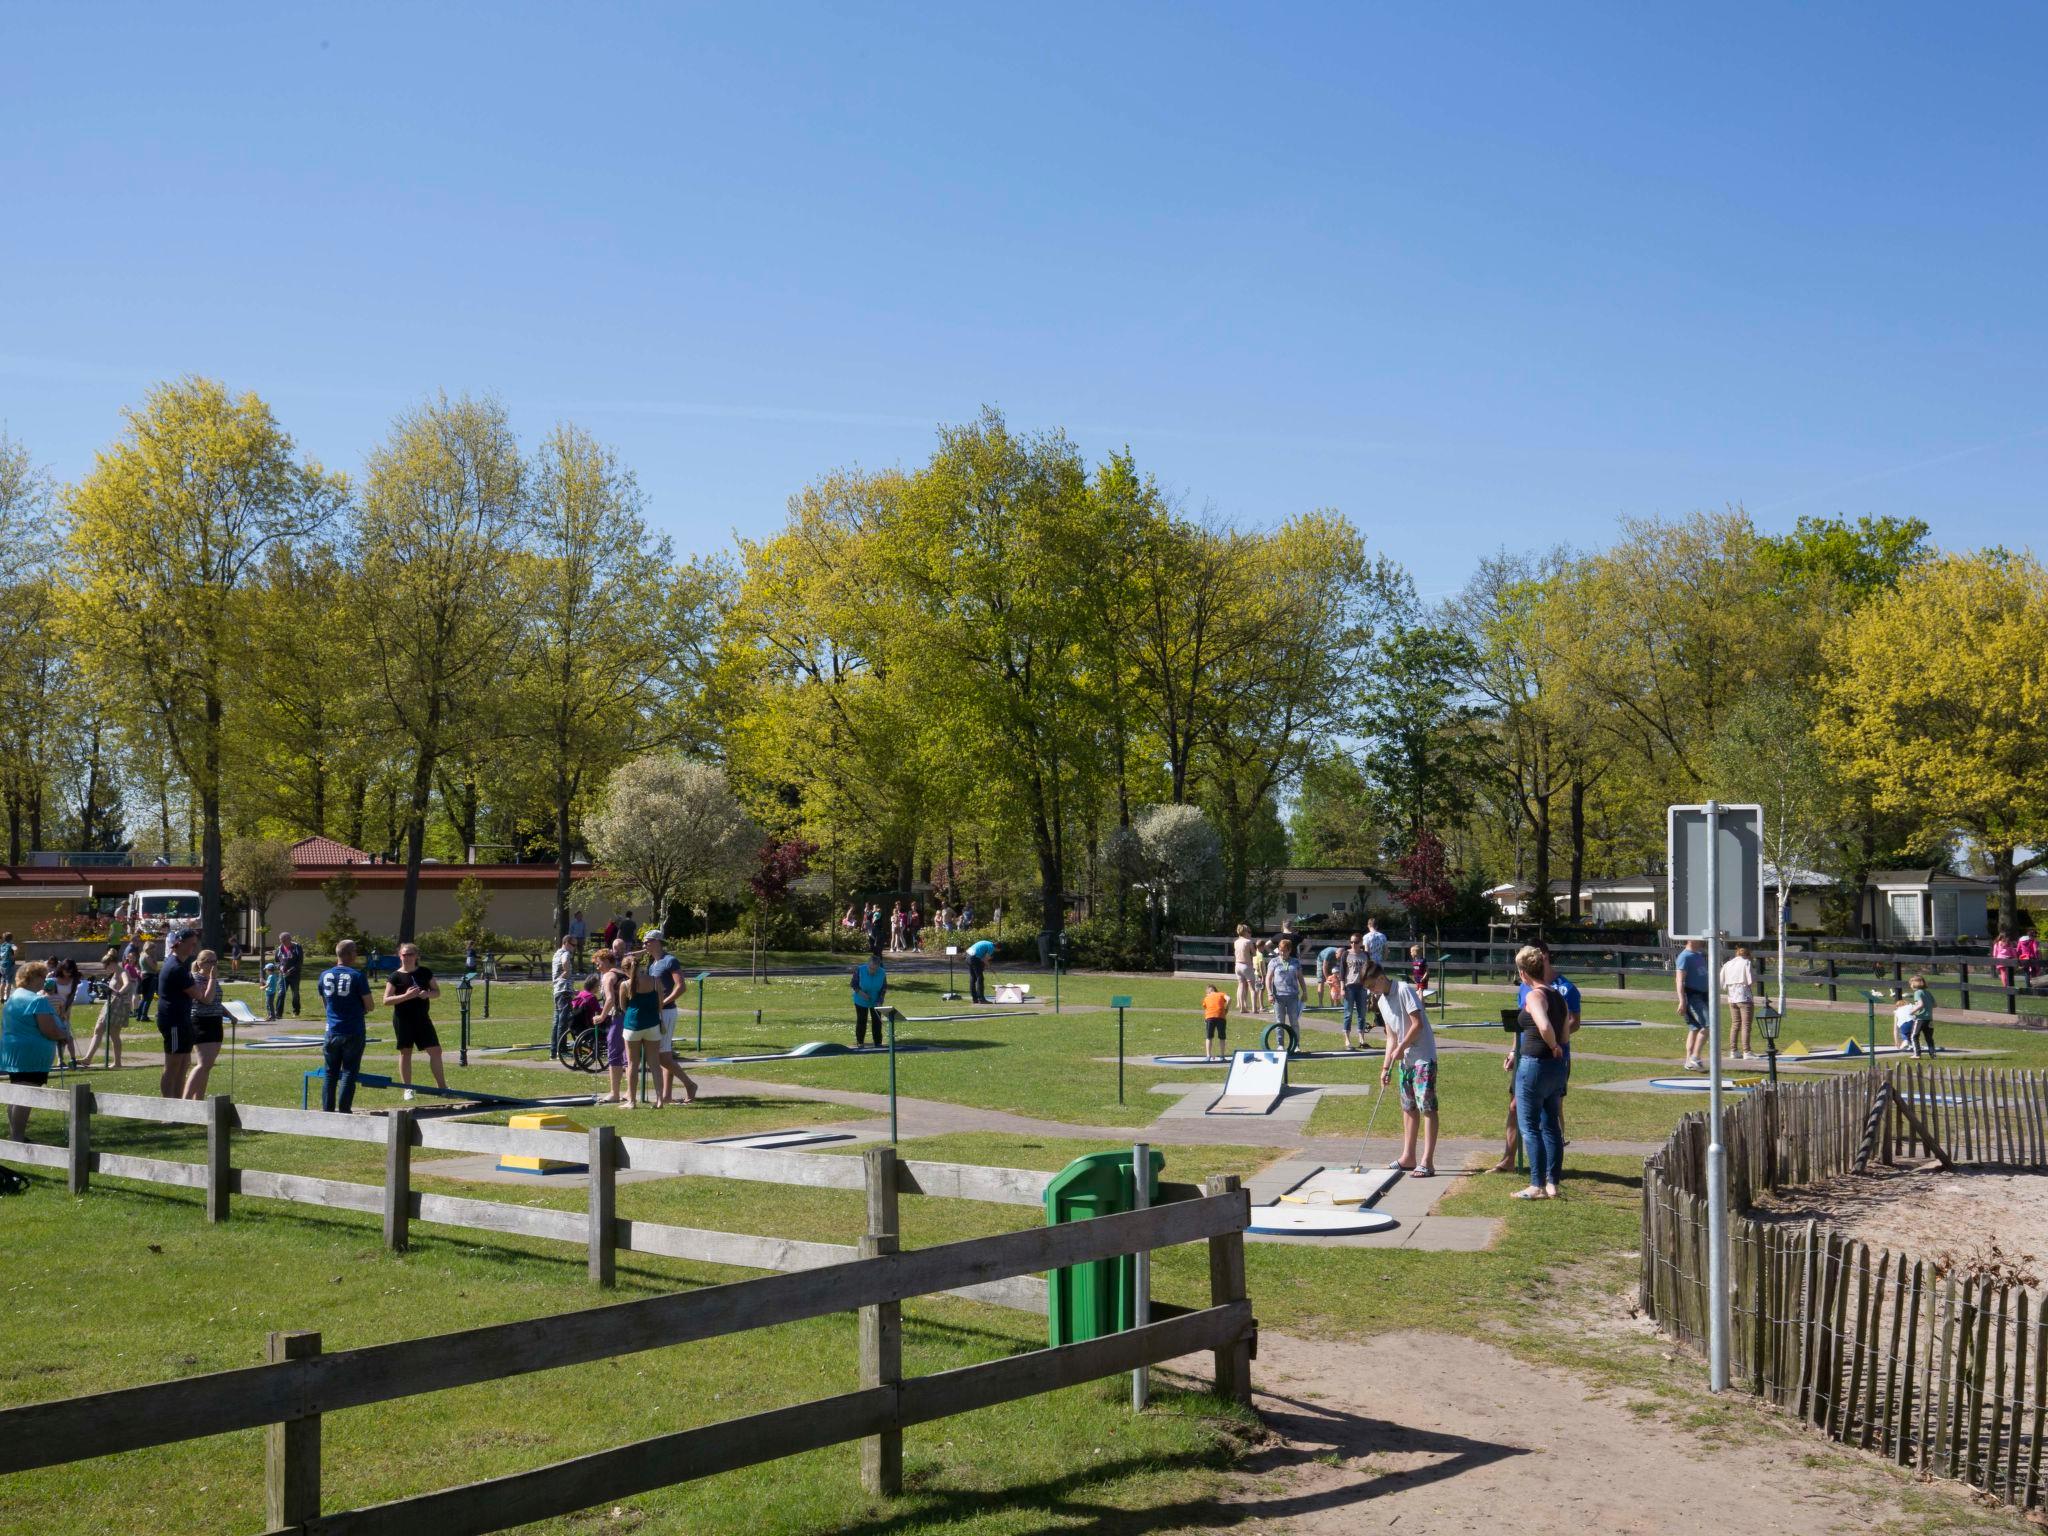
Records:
x=598, y=1228
x=1940, y=1370
x=298, y=1384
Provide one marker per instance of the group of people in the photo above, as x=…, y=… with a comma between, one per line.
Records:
x=2024, y=952
x=630, y=1001
x=899, y=929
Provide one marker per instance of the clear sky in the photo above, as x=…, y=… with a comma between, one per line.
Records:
x=1475, y=275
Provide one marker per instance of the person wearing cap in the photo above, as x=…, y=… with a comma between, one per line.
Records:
x=666, y=972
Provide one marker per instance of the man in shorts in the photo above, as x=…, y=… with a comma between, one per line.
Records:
x=1411, y=1050
x=174, y=988
x=1215, y=1023
x=409, y=993
x=1690, y=977
x=666, y=972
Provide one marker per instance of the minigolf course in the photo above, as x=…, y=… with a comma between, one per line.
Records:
x=1257, y=1082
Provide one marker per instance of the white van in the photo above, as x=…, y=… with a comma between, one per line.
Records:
x=157, y=912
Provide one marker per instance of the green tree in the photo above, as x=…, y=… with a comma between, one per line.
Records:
x=193, y=497
x=1424, y=749
x=669, y=829
x=1933, y=699
x=438, y=548
x=256, y=870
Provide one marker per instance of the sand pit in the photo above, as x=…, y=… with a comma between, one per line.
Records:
x=1927, y=1214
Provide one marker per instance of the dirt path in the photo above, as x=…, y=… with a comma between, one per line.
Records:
x=1432, y=1434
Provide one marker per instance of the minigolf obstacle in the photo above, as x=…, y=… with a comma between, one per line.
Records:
x=1257, y=1082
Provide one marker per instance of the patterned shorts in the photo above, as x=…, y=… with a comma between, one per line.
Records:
x=1418, y=1087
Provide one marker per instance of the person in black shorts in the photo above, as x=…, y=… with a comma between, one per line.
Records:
x=174, y=988
x=410, y=994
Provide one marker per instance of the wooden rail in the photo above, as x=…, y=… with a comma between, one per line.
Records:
x=599, y=1228
x=298, y=1383
x=1939, y=1364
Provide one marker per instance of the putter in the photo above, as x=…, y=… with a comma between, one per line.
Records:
x=1370, y=1121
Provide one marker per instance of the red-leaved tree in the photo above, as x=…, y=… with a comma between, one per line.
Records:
x=1423, y=880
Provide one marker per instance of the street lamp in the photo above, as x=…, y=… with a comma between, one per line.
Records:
x=1768, y=1021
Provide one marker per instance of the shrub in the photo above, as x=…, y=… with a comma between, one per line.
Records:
x=72, y=928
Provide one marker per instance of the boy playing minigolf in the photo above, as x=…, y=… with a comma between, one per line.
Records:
x=1215, y=1022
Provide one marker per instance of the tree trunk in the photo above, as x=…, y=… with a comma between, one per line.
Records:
x=1539, y=836
x=416, y=821
x=13, y=828
x=1578, y=841
x=358, y=801
x=2006, y=868
x=212, y=927
x=562, y=864
x=35, y=817
x=317, y=812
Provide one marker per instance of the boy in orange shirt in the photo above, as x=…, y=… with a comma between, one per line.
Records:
x=1215, y=1020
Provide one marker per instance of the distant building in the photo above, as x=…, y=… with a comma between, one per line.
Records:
x=1906, y=906
x=1641, y=899
x=1335, y=897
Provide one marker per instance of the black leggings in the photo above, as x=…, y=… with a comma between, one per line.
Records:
x=863, y=1019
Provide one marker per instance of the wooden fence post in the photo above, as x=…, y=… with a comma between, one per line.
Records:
x=1963, y=983
x=78, y=1140
x=291, y=1450
x=398, y=1180
x=881, y=1326
x=1831, y=978
x=1226, y=1284
x=604, y=1204
x=220, y=1177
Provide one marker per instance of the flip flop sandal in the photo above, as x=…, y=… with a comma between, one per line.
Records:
x=1529, y=1194
x=1397, y=1163
x=1425, y=1172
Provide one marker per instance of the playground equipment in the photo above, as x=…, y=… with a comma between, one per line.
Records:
x=516, y=1162
x=1257, y=1082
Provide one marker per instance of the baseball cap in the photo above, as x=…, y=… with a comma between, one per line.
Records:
x=653, y=933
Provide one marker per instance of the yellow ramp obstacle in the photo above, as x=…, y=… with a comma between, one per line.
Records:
x=540, y=1121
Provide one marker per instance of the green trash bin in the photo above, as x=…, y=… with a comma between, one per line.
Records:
x=1087, y=1301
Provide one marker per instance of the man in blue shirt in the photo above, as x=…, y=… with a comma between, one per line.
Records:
x=870, y=987
x=1690, y=974
x=981, y=955
x=345, y=992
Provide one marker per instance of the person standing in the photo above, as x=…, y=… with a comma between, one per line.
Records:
x=1375, y=942
x=1358, y=1001
x=870, y=990
x=345, y=993
x=1690, y=977
x=981, y=955
x=1242, y=959
x=114, y=1011
x=174, y=987
x=30, y=1033
x=209, y=1022
x=1923, y=1019
x=562, y=971
x=1283, y=982
x=291, y=966
x=878, y=929
x=409, y=993
x=640, y=1006
x=7, y=960
x=71, y=986
x=1539, y=1077
x=667, y=973
x=1215, y=1023
x=1411, y=1051
x=146, y=985
x=2027, y=950
x=611, y=1031
x=2001, y=949
x=579, y=934
x=1738, y=983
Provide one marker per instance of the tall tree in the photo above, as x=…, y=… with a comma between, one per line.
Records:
x=1933, y=699
x=439, y=536
x=614, y=632
x=195, y=494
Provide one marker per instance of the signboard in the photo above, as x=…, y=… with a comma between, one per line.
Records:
x=1741, y=874
x=1119, y=1002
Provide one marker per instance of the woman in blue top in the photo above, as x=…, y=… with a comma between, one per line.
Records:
x=29, y=1033
x=870, y=986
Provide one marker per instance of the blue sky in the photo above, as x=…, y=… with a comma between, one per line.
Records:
x=1478, y=275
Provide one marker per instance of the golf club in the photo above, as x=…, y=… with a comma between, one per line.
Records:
x=1370, y=1121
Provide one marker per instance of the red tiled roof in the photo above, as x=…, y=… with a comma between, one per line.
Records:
x=325, y=850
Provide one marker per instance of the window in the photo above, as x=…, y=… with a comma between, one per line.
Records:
x=1339, y=906
x=1287, y=904
x=1905, y=914
x=1944, y=914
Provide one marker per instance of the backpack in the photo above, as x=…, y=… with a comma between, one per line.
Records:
x=12, y=1183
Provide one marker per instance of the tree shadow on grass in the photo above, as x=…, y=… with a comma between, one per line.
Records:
x=1305, y=1434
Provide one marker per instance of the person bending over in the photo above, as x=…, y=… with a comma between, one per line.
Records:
x=870, y=989
x=1215, y=1022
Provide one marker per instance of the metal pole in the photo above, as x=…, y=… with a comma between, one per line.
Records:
x=1141, y=1197
x=1717, y=1165
x=462, y=1054
x=700, y=1011
x=1055, y=981
x=892, y=1077
x=1120, y=1056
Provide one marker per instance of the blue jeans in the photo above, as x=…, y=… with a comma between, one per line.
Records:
x=561, y=1029
x=1287, y=1010
x=344, y=1056
x=1539, y=1103
x=1358, y=999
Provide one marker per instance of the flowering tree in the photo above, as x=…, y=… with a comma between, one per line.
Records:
x=1423, y=879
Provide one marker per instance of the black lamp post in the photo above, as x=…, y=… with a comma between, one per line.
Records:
x=1768, y=1021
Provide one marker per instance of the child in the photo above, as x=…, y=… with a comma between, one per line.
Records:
x=1923, y=1018
x=273, y=991
x=1215, y=1022
x=1418, y=968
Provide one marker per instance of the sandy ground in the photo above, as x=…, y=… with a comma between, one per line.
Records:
x=1930, y=1213
x=1428, y=1433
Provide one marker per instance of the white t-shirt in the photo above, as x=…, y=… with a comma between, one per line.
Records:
x=565, y=958
x=1738, y=977
x=1376, y=946
x=1400, y=1001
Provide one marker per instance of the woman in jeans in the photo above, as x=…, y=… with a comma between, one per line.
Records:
x=1283, y=980
x=1540, y=1078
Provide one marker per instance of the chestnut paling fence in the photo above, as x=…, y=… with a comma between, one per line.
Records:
x=1937, y=1363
